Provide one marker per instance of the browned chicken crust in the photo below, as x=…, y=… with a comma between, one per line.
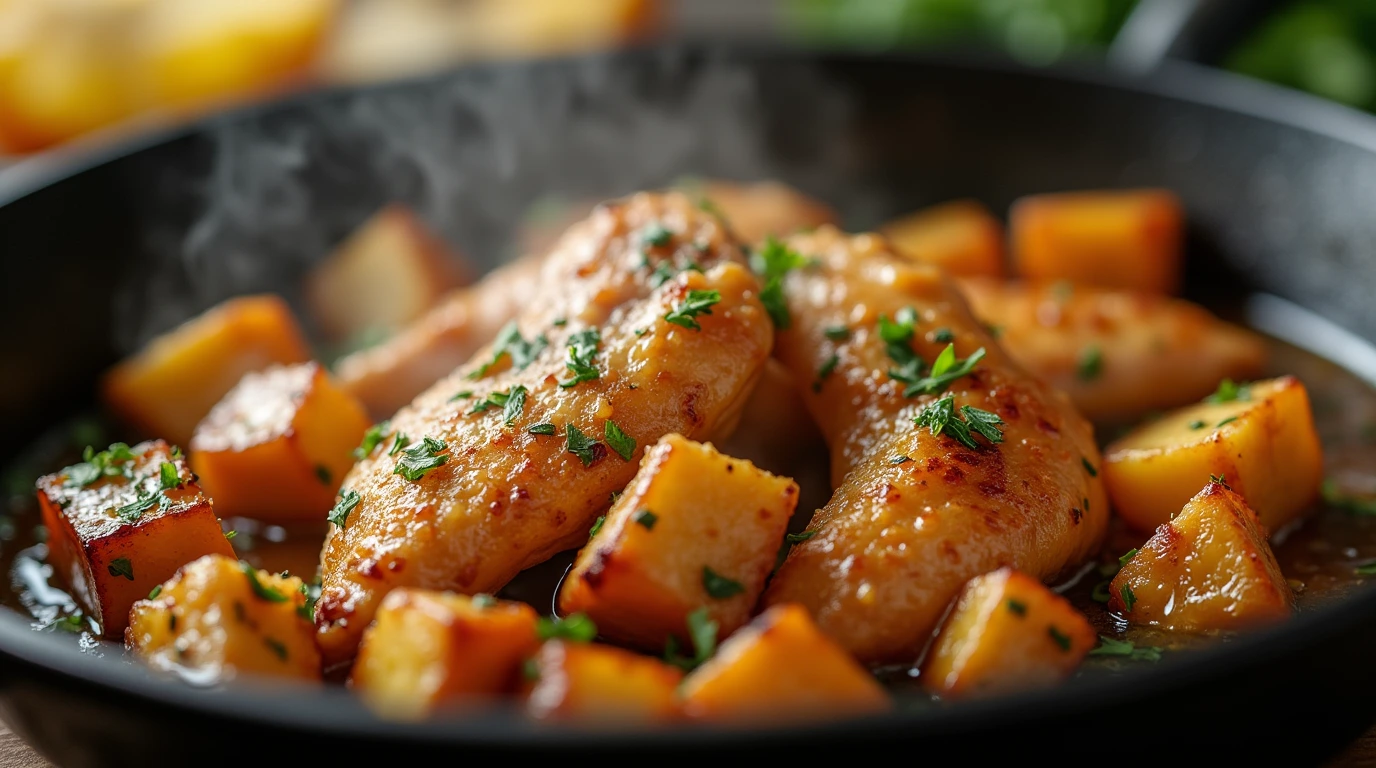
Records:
x=506, y=498
x=916, y=515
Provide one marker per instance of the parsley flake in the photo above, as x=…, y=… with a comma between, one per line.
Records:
x=646, y=518
x=943, y=336
x=1129, y=599
x=348, y=501
x=131, y=512
x=111, y=462
x=421, y=458
x=1090, y=363
x=1060, y=638
x=772, y=263
x=323, y=474
x=575, y=627
x=826, y=370
x=581, y=351
x=1127, y=557
x=121, y=566
x=261, y=590
x=1229, y=391
x=900, y=460
x=945, y=370
x=463, y=394
x=1197, y=424
x=306, y=609
x=1109, y=646
x=656, y=235
x=154, y=592
x=940, y=418
x=1017, y=607
x=276, y=647
x=703, y=633
x=799, y=538
x=543, y=428
x=168, y=477
x=1228, y=420
x=719, y=586
x=1089, y=467
x=694, y=304
x=371, y=439
x=619, y=441
x=510, y=343
x=401, y=442
x=837, y=332
x=1356, y=505
x=596, y=526
x=585, y=448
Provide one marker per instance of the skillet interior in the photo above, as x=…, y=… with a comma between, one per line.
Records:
x=1277, y=186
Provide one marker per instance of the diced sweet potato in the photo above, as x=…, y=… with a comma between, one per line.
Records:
x=694, y=528
x=1208, y=569
x=169, y=386
x=428, y=649
x=385, y=275
x=1007, y=632
x=961, y=236
x=219, y=617
x=1261, y=440
x=1118, y=354
x=1120, y=239
x=759, y=209
x=278, y=445
x=781, y=667
x=581, y=681
x=122, y=522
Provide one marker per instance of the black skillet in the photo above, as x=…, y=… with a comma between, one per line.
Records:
x=101, y=251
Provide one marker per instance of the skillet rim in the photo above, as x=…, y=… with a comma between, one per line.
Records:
x=336, y=712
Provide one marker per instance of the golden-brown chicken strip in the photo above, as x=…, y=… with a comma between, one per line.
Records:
x=1008, y=476
x=391, y=374
x=643, y=323
x=1118, y=354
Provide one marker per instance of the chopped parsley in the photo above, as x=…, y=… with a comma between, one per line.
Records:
x=943, y=336
x=1228, y=420
x=401, y=442
x=372, y=438
x=1060, y=638
x=1127, y=557
x=1090, y=364
x=1197, y=424
x=121, y=566
x=825, y=371
x=581, y=351
x=229, y=535
x=154, y=592
x=799, y=538
x=348, y=501
x=1129, y=599
x=837, y=332
x=773, y=262
x=1229, y=391
x=1221, y=480
x=306, y=609
x=945, y=370
x=511, y=402
x=619, y=441
x=900, y=460
x=111, y=462
x=1089, y=467
x=576, y=627
x=694, y=304
x=596, y=526
x=719, y=586
x=168, y=478
x=261, y=590
x=462, y=394
x=277, y=648
x=1109, y=646
x=543, y=428
x=509, y=342
x=663, y=273
x=703, y=632
x=585, y=448
x=646, y=518
x=940, y=418
x=73, y=623
x=1356, y=505
x=421, y=458
x=656, y=235
x=1017, y=607
x=482, y=600
x=897, y=335
x=323, y=474
x=131, y=512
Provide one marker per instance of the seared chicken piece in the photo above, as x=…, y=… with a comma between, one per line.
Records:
x=1117, y=354
x=391, y=374
x=916, y=514
x=509, y=459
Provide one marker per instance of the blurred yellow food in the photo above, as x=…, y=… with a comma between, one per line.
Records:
x=1007, y=632
x=961, y=236
x=278, y=445
x=219, y=617
x=582, y=681
x=1208, y=569
x=68, y=67
x=1119, y=239
x=173, y=382
x=1258, y=438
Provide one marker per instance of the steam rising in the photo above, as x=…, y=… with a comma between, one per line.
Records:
x=471, y=151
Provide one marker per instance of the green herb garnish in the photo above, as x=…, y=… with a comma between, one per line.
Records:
x=1060, y=638
x=837, y=332
x=306, y=609
x=719, y=586
x=323, y=474
x=575, y=627
x=1354, y=504
x=543, y=428
x=773, y=262
x=1109, y=646
x=581, y=351
x=596, y=526
x=1017, y=607
x=703, y=632
x=168, y=478
x=1090, y=364
x=1129, y=599
x=400, y=443
x=1089, y=467
x=825, y=371
x=945, y=370
x=1197, y=424
x=462, y=394
x=940, y=418
x=121, y=566
x=585, y=448
x=348, y=501
x=1127, y=557
x=421, y=458
x=131, y=512
x=372, y=438
x=277, y=648
x=799, y=538
x=696, y=303
x=1229, y=391
x=656, y=234
x=1228, y=420
x=111, y=462
x=261, y=590
x=619, y=441
x=154, y=592
x=509, y=342
x=646, y=518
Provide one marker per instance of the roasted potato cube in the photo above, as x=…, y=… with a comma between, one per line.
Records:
x=169, y=386
x=122, y=522
x=961, y=237
x=389, y=272
x=1118, y=354
x=757, y=210
x=781, y=667
x=579, y=681
x=1120, y=239
x=278, y=445
x=1007, y=632
x=219, y=617
x=429, y=649
x=1261, y=440
x=694, y=528
x=1208, y=569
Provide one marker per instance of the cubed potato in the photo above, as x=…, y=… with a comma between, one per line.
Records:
x=1262, y=441
x=781, y=667
x=278, y=445
x=1120, y=239
x=585, y=682
x=218, y=618
x=756, y=210
x=961, y=236
x=430, y=649
x=168, y=387
x=389, y=272
x=1007, y=632
x=694, y=528
x=122, y=522
x=1208, y=569
x=1118, y=354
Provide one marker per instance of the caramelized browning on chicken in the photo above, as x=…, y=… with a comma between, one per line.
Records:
x=916, y=514
x=643, y=323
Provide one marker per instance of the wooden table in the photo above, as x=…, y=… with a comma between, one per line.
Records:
x=16, y=754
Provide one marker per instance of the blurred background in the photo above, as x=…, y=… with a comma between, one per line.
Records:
x=87, y=70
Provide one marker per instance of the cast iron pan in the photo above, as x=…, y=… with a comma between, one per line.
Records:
x=101, y=252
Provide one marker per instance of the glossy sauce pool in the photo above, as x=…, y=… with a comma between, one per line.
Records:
x=1319, y=556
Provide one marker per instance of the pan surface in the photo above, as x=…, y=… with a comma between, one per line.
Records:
x=103, y=251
